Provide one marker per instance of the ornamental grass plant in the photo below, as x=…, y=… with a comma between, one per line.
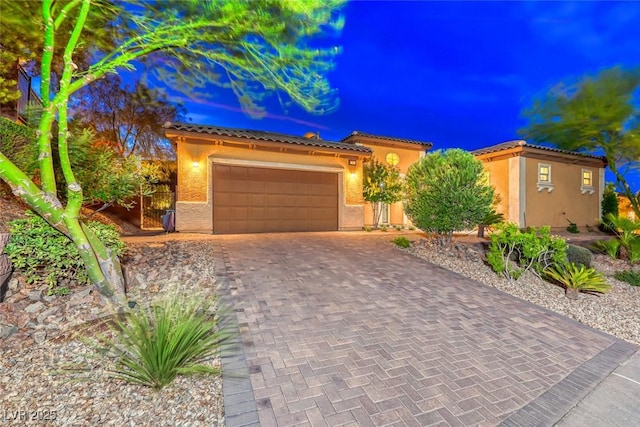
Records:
x=178, y=335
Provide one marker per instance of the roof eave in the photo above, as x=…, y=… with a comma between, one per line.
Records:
x=387, y=142
x=207, y=137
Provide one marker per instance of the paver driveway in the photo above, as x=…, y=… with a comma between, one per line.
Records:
x=345, y=329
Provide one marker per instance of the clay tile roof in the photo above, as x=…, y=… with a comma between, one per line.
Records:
x=521, y=143
x=264, y=136
x=386, y=138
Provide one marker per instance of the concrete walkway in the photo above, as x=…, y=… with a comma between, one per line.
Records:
x=614, y=403
x=344, y=329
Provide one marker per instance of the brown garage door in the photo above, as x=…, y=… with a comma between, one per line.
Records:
x=257, y=200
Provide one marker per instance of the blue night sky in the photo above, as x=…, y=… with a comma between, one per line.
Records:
x=457, y=74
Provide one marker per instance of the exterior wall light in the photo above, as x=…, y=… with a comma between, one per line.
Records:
x=196, y=165
x=353, y=162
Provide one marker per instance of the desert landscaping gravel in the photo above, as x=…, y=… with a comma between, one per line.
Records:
x=62, y=381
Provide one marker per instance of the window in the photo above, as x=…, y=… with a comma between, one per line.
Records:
x=544, y=177
x=393, y=159
x=544, y=173
x=587, y=182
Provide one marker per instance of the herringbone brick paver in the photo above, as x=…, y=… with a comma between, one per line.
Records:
x=345, y=329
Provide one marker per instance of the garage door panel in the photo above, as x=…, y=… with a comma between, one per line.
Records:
x=222, y=185
x=221, y=198
x=223, y=172
x=255, y=212
x=237, y=199
x=256, y=199
x=252, y=186
x=238, y=212
x=272, y=213
x=249, y=200
x=241, y=174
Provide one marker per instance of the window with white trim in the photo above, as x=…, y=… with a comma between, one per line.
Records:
x=587, y=182
x=544, y=177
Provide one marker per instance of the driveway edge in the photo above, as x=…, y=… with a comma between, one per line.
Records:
x=552, y=405
x=240, y=408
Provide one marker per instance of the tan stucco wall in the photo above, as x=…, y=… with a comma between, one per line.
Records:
x=566, y=200
x=407, y=158
x=194, y=210
x=499, y=178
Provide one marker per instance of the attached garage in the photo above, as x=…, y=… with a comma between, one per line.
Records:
x=247, y=181
x=261, y=200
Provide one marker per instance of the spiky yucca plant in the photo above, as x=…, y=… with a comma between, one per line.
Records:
x=576, y=278
x=174, y=336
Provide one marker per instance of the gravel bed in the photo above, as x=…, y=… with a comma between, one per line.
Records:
x=62, y=381
x=615, y=312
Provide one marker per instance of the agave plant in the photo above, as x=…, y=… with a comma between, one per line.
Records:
x=576, y=278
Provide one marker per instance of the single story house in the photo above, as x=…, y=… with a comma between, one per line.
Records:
x=545, y=186
x=248, y=181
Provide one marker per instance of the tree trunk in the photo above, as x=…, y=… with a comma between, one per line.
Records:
x=102, y=266
x=572, y=293
x=5, y=264
x=377, y=211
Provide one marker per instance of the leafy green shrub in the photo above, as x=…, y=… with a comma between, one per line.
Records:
x=398, y=227
x=626, y=245
x=174, y=336
x=513, y=251
x=573, y=228
x=576, y=278
x=447, y=191
x=579, y=255
x=630, y=276
x=16, y=142
x=367, y=228
x=402, y=241
x=384, y=228
x=44, y=255
x=609, y=207
x=634, y=251
x=609, y=247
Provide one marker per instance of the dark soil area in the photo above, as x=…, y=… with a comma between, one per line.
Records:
x=12, y=208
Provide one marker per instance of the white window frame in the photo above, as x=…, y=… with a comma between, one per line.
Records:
x=548, y=184
x=586, y=188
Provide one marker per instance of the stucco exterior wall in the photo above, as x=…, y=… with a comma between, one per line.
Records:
x=499, y=178
x=194, y=209
x=351, y=217
x=566, y=200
